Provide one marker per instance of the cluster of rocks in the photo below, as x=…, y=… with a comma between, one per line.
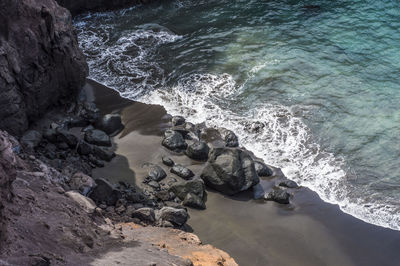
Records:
x=81, y=141
x=228, y=168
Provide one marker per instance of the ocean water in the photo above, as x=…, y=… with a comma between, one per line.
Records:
x=313, y=90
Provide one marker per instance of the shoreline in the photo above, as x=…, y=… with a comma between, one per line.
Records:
x=306, y=230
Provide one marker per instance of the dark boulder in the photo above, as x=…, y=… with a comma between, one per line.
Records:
x=97, y=137
x=41, y=64
x=104, y=192
x=110, y=124
x=230, y=171
x=31, y=139
x=195, y=186
x=288, y=183
x=194, y=201
x=230, y=138
x=103, y=153
x=145, y=215
x=182, y=171
x=173, y=140
x=262, y=169
x=198, y=151
x=177, y=120
x=167, y=161
x=64, y=136
x=177, y=217
x=278, y=195
x=156, y=173
x=84, y=148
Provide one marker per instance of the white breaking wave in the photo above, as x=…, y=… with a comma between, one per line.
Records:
x=126, y=63
x=275, y=134
x=272, y=131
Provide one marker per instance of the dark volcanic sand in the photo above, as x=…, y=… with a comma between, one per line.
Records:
x=308, y=232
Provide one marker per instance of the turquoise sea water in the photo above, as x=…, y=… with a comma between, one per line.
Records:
x=315, y=91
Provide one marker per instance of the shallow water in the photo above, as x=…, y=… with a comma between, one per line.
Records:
x=314, y=91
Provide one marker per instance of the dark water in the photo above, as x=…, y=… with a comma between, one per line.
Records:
x=314, y=91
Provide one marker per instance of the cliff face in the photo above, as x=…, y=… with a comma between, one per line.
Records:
x=40, y=60
x=79, y=6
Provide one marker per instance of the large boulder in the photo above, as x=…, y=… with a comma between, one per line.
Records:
x=144, y=214
x=176, y=217
x=104, y=192
x=198, y=151
x=40, y=61
x=230, y=170
x=195, y=186
x=110, y=124
x=97, y=137
x=173, y=140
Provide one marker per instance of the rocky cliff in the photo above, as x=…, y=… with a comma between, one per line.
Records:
x=40, y=61
x=79, y=6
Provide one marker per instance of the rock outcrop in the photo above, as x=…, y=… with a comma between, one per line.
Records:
x=40, y=61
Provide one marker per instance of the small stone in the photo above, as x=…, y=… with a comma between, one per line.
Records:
x=182, y=171
x=156, y=173
x=289, y=184
x=154, y=185
x=278, y=195
x=168, y=161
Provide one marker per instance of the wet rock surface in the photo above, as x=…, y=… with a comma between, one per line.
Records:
x=198, y=151
x=174, y=141
x=182, y=171
x=278, y=195
x=229, y=171
x=262, y=169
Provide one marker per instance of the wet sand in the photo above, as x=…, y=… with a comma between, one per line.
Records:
x=307, y=232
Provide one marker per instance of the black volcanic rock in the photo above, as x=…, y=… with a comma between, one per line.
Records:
x=40, y=61
x=230, y=170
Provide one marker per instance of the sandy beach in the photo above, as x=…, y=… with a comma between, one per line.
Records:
x=306, y=232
